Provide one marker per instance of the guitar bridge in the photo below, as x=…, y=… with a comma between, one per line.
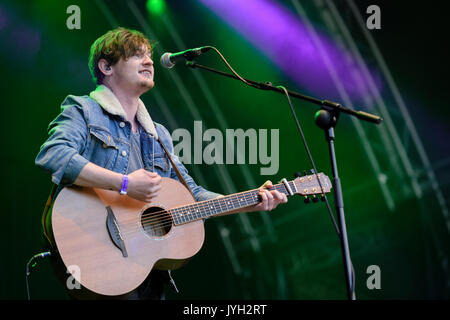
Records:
x=114, y=232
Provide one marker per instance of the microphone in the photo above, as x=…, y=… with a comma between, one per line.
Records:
x=168, y=60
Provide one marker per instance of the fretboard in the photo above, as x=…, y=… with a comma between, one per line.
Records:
x=208, y=208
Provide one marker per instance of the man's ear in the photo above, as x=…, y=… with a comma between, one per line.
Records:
x=105, y=67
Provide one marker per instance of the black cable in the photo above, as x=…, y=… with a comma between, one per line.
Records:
x=234, y=72
x=352, y=280
x=299, y=128
x=310, y=159
x=28, y=271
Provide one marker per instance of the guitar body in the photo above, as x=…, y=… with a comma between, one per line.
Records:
x=150, y=238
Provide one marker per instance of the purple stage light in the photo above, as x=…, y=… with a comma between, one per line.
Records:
x=285, y=39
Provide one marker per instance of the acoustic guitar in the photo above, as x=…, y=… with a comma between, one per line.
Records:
x=115, y=240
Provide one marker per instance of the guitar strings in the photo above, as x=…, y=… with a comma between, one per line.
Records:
x=199, y=205
x=223, y=203
x=163, y=218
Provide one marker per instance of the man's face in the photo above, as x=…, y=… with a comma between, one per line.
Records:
x=135, y=73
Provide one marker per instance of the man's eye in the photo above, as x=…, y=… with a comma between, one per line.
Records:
x=141, y=55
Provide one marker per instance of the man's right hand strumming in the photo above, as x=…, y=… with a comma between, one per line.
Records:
x=142, y=184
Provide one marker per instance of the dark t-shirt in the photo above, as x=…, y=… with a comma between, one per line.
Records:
x=152, y=287
x=135, y=162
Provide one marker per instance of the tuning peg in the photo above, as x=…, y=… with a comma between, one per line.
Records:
x=312, y=171
x=315, y=199
x=307, y=200
x=322, y=198
x=297, y=175
x=305, y=173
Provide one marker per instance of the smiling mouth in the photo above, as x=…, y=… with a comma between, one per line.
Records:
x=146, y=73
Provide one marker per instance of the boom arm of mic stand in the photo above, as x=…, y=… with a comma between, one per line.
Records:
x=326, y=104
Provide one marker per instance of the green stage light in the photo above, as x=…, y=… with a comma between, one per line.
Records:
x=156, y=7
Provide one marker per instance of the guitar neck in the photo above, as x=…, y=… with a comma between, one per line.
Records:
x=209, y=208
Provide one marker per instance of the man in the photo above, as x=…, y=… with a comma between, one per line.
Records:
x=108, y=139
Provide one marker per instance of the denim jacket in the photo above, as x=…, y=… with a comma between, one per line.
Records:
x=94, y=129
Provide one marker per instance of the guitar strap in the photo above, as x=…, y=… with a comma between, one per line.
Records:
x=47, y=207
x=179, y=175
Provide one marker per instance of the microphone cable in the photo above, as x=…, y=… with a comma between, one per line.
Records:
x=232, y=70
x=28, y=269
x=352, y=280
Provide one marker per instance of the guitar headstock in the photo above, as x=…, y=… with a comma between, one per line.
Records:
x=309, y=185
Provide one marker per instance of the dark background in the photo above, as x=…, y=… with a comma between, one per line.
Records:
x=292, y=253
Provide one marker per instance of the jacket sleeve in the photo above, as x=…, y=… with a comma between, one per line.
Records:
x=199, y=192
x=60, y=155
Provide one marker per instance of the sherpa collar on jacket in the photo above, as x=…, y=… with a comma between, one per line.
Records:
x=109, y=102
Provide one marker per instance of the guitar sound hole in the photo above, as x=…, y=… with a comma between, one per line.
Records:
x=156, y=221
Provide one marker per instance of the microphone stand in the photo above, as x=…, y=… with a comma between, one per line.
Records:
x=326, y=119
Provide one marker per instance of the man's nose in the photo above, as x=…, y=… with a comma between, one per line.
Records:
x=147, y=60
